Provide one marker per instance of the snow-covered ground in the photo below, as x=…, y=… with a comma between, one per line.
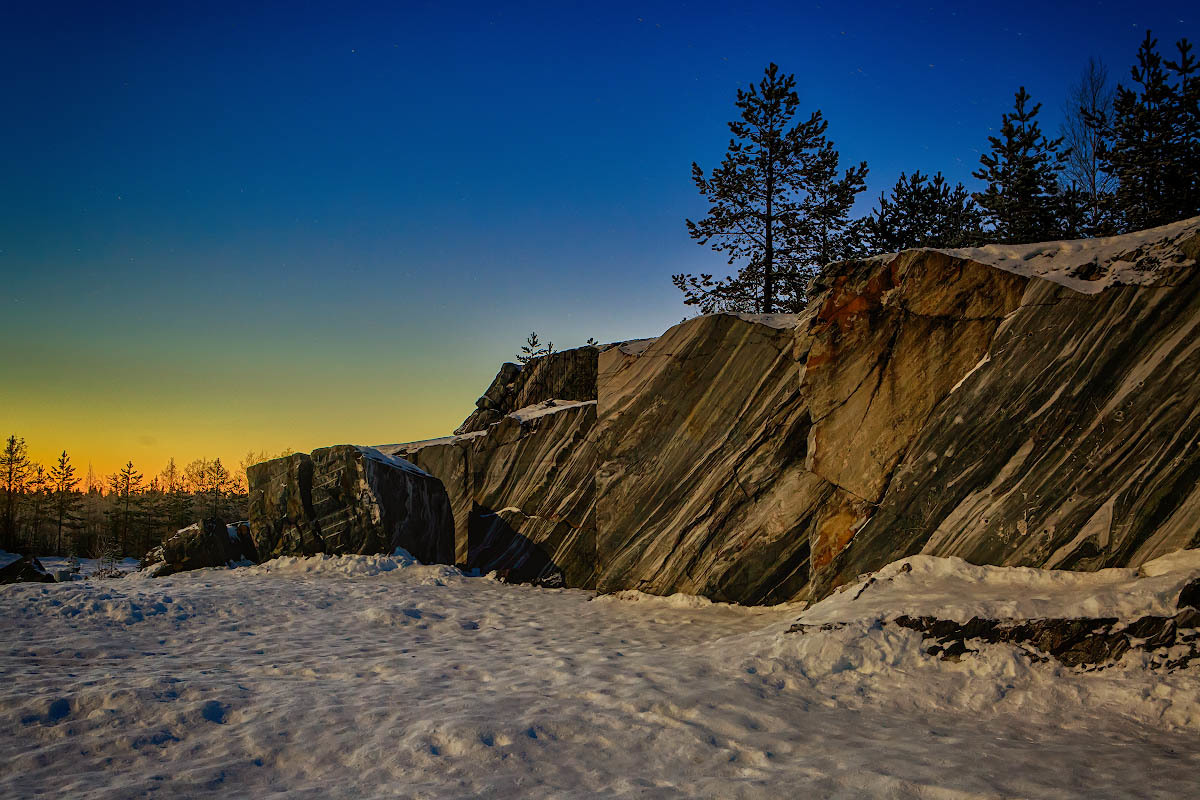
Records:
x=87, y=566
x=377, y=677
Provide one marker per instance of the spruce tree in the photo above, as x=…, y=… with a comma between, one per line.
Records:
x=36, y=491
x=533, y=348
x=125, y=485
x=14, y=471
x=1151, y=140
x=66, y=499
x=924, y=212
x=778, y=205
x=1022, y=202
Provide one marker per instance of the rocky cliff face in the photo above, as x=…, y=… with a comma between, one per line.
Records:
x=523, y=492
x=565, y=375
x=348, y=499
x=1032, y=405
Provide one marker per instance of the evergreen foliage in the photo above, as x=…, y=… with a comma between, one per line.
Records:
x=66, y=499
x=779, y=205
x=1151, y=140
x=924, y=212
x=14, y=471
x=1022, y=202
x=533, y=348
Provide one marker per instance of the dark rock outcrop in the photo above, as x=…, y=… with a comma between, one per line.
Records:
x=346, y=499
x=1074, y=642
x=1189, y=595
x=25, y=569
x=564, y=375
x=208, y=543
x=522, y=492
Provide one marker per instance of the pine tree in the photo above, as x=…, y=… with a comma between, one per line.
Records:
x=1151, y=140
x=533, y=348
x=924, y=212
x=125, y=485
x=1022, y=201
x=778, y=205
x=63, y=482
x=36, y=491
x=218, y=483
x=14, y=471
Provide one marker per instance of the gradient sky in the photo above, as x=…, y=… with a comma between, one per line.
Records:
x=263, y=225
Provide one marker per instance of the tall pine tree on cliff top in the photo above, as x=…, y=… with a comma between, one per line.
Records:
x=1022, y=202
x=778, y=204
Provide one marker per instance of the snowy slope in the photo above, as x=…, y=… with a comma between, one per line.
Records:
x=374, y=676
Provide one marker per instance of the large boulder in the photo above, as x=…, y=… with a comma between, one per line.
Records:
x=25, y=569
x=348, y=499
x=208, y=543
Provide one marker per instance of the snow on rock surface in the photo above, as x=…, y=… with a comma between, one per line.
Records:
x=1143, y=258
x=375, y=676
x=950, y=588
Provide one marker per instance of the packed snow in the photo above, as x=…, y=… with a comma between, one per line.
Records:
x=1090, y=265
x=87, y=566
x=374, y=676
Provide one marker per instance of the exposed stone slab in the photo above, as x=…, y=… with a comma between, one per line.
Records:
x=348, y=499
x=1076, y=444
x=522, y=492
x=208, y=543
x=564, y=375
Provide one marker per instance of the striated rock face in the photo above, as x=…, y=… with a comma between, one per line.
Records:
x=566, y=375
x=208, y=543
x=702, y=486
x=1074, y=443
x=348, y=499
x=1034, y=405
x=523, y=493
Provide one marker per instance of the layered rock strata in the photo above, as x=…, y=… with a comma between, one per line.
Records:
x=348, y=499
x=208, y=543
x=522, y=492
x=565, y=375
x=1032, y=405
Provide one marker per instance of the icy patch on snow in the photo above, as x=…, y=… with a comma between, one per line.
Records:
x=1087, y=265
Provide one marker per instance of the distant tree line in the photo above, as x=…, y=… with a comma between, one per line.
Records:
x=56, y=511
x=1127, y=158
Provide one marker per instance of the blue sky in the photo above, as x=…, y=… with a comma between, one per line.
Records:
x=259, y=225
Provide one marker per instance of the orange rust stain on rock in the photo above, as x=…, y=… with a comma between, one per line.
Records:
x=832, y=536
